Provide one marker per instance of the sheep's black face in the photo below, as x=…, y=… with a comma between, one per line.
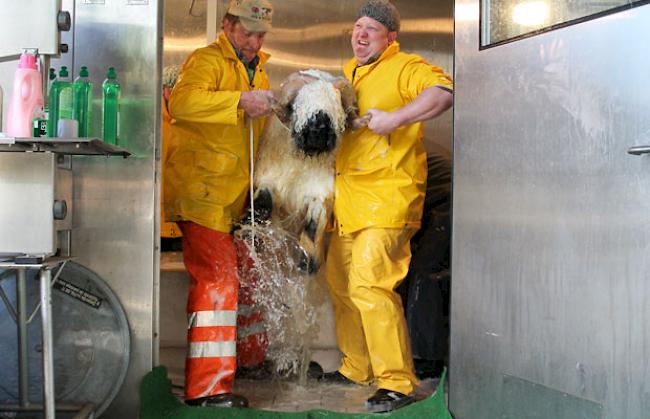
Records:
x=316, y=136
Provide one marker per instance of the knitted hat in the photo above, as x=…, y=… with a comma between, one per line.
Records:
x=254, y=15
x=383, y=12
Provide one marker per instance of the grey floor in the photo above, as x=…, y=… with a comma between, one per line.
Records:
x=290, y=397
x=285, y=395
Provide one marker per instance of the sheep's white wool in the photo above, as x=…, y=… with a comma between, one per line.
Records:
x=301, y=186
x=297, y=182
x=316, y=96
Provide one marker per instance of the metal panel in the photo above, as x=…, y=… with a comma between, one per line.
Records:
x=550, y=225
x=185, y=29
x=19, y=20
x=114, y=226
x=28, y=187
x=525, y=400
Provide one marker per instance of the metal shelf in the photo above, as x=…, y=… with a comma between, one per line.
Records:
x=69, y=146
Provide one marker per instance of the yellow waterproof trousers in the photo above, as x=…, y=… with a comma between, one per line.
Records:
x=363, y=270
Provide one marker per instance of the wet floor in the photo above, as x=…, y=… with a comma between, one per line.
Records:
x=284, y=395
x=290, y=397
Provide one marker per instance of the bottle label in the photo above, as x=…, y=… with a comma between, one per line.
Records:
x=39, y=127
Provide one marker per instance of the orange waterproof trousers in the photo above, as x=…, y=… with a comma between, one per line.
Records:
x=211, y=261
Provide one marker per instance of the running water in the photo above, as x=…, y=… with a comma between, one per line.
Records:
x=287, y=296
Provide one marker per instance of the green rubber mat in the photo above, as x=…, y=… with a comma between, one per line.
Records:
x=158, y=402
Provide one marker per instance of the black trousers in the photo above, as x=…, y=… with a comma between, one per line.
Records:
x=427, y=283
x=425, y=291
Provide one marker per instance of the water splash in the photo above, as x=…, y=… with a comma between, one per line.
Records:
x=287, y=296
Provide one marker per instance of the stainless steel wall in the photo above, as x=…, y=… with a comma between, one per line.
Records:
x=114, y=228
x=550, y=225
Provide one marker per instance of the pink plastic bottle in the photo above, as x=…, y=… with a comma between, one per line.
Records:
x=27, y=97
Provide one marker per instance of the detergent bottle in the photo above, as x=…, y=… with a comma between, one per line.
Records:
x=60, y=106
x=83, y=102
x=111, y=108
x=27, y=97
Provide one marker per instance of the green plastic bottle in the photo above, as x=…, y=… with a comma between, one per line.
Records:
x=60, y=106
x=82, y=89
x=111, y=108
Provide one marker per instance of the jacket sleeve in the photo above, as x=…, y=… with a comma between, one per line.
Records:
x=419, y=75
x=196, y=96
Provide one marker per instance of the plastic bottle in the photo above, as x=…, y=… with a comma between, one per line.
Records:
x=39, y=123
x=60, y=106
x=39, y=126
x=82, y=104
x=110, y=108
x=26, y=98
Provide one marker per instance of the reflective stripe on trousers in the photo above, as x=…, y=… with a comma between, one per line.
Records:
x=252, y=341
x=211, y=261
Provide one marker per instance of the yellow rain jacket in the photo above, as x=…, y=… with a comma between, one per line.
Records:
x=381, y=180
x=167, y=229
x=207, y=171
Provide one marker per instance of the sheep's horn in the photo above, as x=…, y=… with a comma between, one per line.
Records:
x=277, y=107
x=273, y=99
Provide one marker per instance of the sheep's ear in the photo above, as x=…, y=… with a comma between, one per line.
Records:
x=349, y=102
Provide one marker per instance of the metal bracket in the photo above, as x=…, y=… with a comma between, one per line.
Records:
x=638, y=150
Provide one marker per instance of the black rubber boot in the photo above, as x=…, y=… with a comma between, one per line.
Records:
x=387, y=400
x=220, y=400
x=336, y=377
x=314, y=370
x=263, y=371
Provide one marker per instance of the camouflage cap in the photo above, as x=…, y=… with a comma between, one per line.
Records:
x=255, y=15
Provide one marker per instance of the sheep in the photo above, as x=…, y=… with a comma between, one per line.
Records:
x=294, y=172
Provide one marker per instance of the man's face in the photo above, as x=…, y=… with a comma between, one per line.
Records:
x=369, y=39
x=247, y=43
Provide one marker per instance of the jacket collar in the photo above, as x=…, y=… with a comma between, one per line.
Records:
x=229, y=51
x=352, y=67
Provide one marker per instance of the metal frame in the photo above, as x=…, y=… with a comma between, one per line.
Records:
x=19, y=314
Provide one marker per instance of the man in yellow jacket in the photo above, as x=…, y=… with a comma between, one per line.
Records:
x=379, y=194
x=221, y=93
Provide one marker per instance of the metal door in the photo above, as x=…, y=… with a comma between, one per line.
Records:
x=551, y=222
